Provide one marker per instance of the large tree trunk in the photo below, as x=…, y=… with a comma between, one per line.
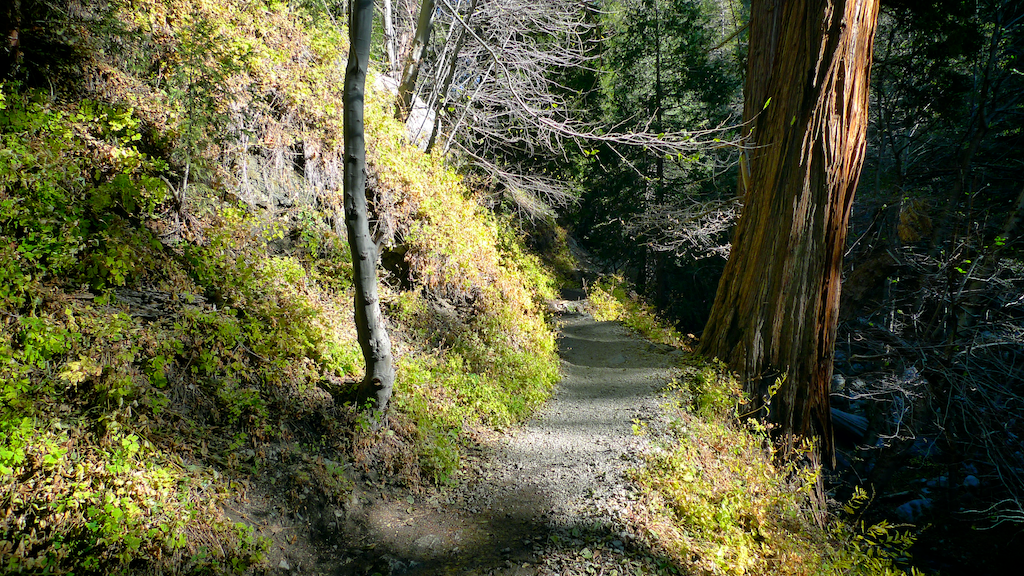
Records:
x=373, y=338
x=776, y=310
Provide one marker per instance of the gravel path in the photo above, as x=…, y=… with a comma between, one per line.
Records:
x=548, y=498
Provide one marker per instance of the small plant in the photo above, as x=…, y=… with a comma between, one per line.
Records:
x=607, y=307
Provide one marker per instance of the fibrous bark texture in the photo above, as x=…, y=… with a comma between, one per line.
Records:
x=373, y=337
x=776, y=310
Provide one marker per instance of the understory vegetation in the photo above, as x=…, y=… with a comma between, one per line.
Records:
x=176, y=301
x=719, y=500
x=176, y=290
x=928, y=375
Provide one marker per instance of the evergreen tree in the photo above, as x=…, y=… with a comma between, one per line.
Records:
x=805, y=109
x=661, y=73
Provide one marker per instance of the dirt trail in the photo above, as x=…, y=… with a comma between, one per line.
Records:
x=547, y=498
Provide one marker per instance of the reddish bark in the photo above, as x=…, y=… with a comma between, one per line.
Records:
x=776, y=310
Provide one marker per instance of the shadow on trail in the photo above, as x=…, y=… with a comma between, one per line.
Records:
x=538, y=505
x=513, y=544
x=603, y=345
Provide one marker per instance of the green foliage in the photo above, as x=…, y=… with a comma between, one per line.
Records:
x=72, y=184
x=721, y=503
x=151, y=349
x=695, y=82
x=479, y=378
x=478, y=301
x=76, y=198
x=611, y=299
x=881, y=542
x=660, y=76
x=723, y=507
x=707, y=388
x=97, y=506
x=282, y=318
x=68, y=364
x=427, y=390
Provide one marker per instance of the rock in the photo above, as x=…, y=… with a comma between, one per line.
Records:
x=911, y=375
x=850, y=426
x=420, y=116
x=572, y=294
x=860, y=368
x=392, y=565
x=616, y=360
x=284, y=565
x=566, y=307
x=838, y=383
x=913, y=510
x=971, y=481
x=427, y=543
x=925, y=447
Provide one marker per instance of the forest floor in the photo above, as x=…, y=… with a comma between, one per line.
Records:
x=552, y=496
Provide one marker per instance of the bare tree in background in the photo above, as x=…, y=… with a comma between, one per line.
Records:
x=390, y=40
x=411, y=69
x=494, y=82
x=689, y=229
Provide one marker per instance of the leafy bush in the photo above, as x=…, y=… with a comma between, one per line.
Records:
x=612, y=300
x=72, y=186
x=125, y=421
x=722, y=505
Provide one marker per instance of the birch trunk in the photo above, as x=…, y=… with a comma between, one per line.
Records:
x=411, y=70
x=390, y=40
x=373, y=337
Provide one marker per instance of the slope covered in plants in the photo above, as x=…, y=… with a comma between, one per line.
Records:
x=175, y=299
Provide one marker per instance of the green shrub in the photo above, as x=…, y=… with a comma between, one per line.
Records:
x=611, y=300
x=721, y=504
x=122, y=423
x=72, y=188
